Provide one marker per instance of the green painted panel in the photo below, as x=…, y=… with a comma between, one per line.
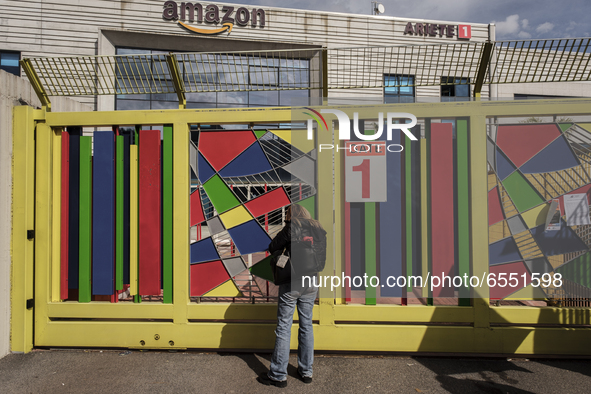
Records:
x=310, y=204
x=262, y=269
x=167, y=203
x=578, y=270
x=119, y=217
x=463, y=194
x=220, y=194
x=370, y=250
x=85, y=242
x=260, y=133
x=565, y=126
x=522, y=193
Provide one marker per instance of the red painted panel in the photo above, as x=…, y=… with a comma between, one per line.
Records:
x=220, y=147
x=196, y=208
x=268, y=202
x=521, y=142
x=149, y=213
x=206, y=276
x=495, y=211
x=65, y=215
x=498, y=292
x=442, y=205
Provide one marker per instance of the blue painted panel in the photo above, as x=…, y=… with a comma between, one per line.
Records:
x=562, y=241
x=205, y=170
x=251, y=161
x=203, y=250
x=391, y=256
x=503, y=251
x=249, y=237
x=504, y=166
x=74, y=211
x=103, y=214
x=555, y=157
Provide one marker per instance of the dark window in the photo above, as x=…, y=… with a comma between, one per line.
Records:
x=222, y=72
x=399, y=88
x=9, y=62
x=461, y=88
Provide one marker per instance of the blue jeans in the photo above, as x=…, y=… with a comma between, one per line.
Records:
x=288, y=299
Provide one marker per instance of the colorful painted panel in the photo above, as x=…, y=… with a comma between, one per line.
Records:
x=245, y=182
x=536, y=164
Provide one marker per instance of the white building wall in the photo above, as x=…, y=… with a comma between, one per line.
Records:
x=73, y=28
x=14, y=91
x=566, y=89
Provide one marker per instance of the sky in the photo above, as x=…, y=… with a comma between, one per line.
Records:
x=514, y=19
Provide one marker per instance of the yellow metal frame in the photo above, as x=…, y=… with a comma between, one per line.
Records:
x=475, y=329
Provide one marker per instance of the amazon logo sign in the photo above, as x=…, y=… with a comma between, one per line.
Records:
x=211, y=14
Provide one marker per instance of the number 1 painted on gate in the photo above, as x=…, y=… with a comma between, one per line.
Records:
x=364, y=169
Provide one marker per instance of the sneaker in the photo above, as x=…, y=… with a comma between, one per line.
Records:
x=267, y=381
x=305, y=379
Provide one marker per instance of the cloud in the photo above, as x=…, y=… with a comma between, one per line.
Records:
x=523, y=34
x=524, y=23
x=545, y=27
x=509, y=26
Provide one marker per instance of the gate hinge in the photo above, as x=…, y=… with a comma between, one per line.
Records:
x=30, y=303
x=30, y=234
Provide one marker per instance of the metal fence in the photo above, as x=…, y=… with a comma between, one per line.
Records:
x=472, y=63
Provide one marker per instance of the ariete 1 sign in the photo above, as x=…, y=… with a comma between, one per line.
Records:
x=435, y=29
x=187, y=14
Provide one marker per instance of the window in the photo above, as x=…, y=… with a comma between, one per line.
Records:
x=461, y=89
x=399, y=88
x=221, y=72
x=9, y=62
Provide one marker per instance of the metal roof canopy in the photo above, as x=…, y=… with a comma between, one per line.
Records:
x=469, y=63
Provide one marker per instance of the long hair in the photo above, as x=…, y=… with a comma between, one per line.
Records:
x=296, y=213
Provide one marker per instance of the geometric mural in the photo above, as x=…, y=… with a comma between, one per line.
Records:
x=241, y=182
x=532, y=165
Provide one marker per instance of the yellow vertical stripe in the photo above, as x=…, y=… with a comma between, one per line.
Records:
x=23, y=208
x=56, y=219
x=180, y=224
x=133, y=220
x=339, y=220
x=43, y=224
x=479, y=219
x=324, y=200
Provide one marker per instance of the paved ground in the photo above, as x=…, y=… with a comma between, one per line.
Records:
x=79, y=371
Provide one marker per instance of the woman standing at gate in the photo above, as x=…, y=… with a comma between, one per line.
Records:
x=299, y=223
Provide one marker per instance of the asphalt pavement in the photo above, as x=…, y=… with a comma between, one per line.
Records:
x=120, y=371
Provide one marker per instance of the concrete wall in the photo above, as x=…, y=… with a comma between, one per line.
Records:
x=13, y=91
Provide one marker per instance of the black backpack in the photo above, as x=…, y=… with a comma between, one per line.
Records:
x=308, y=256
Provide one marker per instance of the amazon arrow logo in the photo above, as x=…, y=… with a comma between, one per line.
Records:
x=210, y=14
x=227, y=26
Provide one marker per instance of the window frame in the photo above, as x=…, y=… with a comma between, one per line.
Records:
x=397, y=95
x=14, y=70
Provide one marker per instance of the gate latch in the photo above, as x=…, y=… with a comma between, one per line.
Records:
x=30, y=303
x=30, y=234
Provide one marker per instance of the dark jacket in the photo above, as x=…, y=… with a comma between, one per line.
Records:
x=283, y=239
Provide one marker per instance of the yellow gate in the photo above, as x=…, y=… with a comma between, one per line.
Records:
x=41, y=318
